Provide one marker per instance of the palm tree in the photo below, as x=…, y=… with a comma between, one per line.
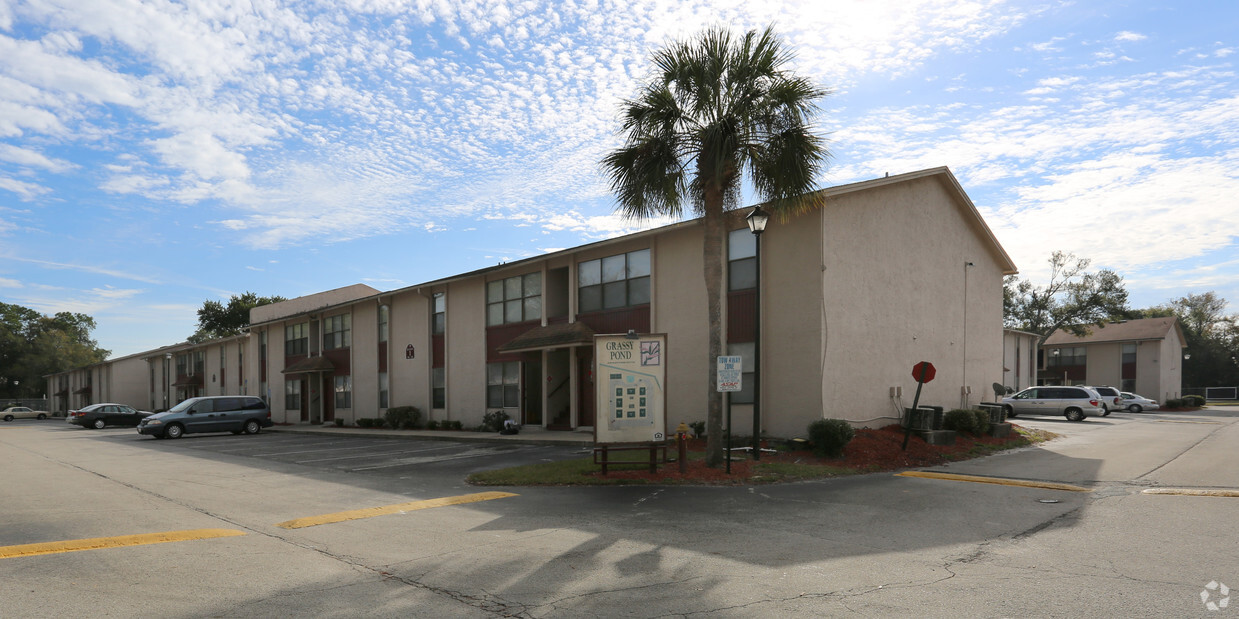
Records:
x=716, y=111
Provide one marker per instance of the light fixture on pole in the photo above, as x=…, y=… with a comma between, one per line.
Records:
x=757, y=224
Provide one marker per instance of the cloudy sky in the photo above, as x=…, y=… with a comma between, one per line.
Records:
x=157, y=154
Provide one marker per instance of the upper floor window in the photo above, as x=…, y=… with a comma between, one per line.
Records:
x=439, y=319
x=741, y=260
x=614, y=282
x=1077, y=355
x=182, y=364
x=384, y=313
x=199, y=362
x=296, y=339
x=515, y=299
x=1129, y=353
x=337, y=332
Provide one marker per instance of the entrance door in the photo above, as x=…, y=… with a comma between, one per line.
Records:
x=329, y=398
x=585, y=377
x=531, y=389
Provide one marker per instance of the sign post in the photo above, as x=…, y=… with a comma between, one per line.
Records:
x=923, y=372
x=730, y=378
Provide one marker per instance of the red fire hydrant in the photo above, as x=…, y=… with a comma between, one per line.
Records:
x=681, y=441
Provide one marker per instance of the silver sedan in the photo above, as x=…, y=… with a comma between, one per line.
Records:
x=1135, y=403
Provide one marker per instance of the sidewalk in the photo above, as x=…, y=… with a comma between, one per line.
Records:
x=527, y=436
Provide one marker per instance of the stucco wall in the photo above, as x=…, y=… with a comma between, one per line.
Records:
x=409, y=324
x=894, y=287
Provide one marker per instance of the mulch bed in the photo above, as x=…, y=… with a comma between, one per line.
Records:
x=869, y=451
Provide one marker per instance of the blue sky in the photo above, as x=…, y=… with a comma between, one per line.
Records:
x=154, y=155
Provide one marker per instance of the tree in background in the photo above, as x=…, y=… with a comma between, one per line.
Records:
x=1212, y=338
x=216, y=320
x=716, y=110
x=33, y=345
x=1072, y=300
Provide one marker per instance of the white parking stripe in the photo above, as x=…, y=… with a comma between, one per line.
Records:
x=471, y=453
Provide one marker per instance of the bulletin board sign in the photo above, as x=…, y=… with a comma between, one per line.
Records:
x=630, y=379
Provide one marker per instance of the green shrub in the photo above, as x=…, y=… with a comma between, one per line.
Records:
x=403, y=417
x=365, y=422
x=830, y=436
x=699, y=428
x=493, y=421
x=339, y=422
x=433, y=424
x=980, y=423
x=456, y=424
x=961, y=420
x=1194, y=400
x=1174, y=403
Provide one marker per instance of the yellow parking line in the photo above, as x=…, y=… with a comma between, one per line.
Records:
x=1191, y=492
x=1047, y=485
x=371, y=512
x=99, y=543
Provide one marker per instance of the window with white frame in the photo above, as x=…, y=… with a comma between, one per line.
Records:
x=382, y=389
x=515, y=299
x=292, y=394
x=614, y=282
x=344, y=392
x=741, y=261
x=438, y=323
x=503, y=384
x=337, y=332
x=383, y=318
x=438, y=389
x=296, y=339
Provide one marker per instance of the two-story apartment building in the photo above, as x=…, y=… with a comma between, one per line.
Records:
x=888, y=273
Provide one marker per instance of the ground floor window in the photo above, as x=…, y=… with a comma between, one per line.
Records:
x=438, y=389
x=382, y=389
x=292, y=394
x=344, y=392
x=1128, y=384
x=503, y=385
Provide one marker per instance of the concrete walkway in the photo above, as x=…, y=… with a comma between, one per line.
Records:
x=527, y=436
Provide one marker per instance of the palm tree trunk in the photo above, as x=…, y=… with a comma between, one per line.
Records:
x=712, y=256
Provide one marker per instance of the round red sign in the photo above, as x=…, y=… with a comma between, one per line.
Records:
x=923, y=372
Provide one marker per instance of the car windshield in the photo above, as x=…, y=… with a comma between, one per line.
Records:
x=183, y=406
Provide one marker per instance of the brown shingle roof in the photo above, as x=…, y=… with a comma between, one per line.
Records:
x=551, y=336
x=309, y=364
x=1126, y=331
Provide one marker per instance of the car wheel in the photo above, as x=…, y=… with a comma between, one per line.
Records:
x=1074, y=414
x=1105, y=412
x=174, y=431
x=99, y=424
x=8, y=418
x=252, y=427
x=1009, y=411
x=42, y=416
x=1134, y=408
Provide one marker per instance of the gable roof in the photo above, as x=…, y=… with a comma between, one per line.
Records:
x=1139, y=329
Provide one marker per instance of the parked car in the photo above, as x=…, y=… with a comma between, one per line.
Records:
x=1074, y=403
x=1136, y=403
x=221, y=413
x=21, y=412
x=104, y=414
x=1111, y=399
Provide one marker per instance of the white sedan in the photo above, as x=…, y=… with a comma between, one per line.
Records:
x=1136, y=403
x=21, y=412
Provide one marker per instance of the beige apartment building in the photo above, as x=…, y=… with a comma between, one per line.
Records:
x=890, y=272
x=1143, y=356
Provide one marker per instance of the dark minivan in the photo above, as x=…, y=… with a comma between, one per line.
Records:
x=221, y=413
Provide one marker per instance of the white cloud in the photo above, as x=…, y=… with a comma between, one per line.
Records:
x=1128, y=36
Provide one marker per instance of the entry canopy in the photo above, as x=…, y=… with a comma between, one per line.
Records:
x=559, y=335
x=310, y=365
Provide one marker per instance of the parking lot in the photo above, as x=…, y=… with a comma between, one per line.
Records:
x=390, y=529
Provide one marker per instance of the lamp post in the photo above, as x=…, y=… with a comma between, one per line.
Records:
x=757, y=224
x=167, y=380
